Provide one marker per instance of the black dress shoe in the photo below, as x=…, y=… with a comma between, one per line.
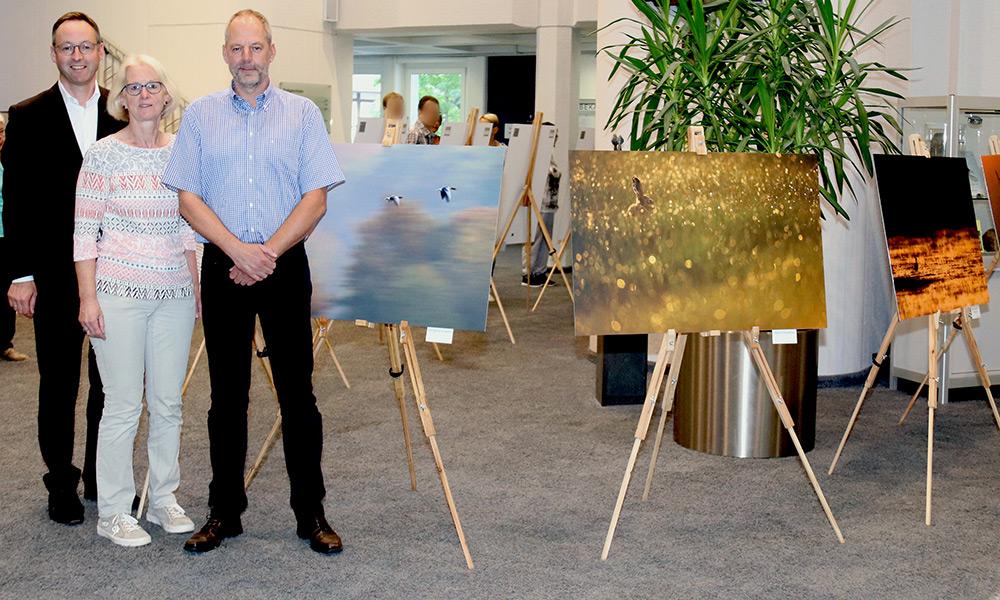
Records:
x=65, y=507
x=322, y=538
x=211, y=535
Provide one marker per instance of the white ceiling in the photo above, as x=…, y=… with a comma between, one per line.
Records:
x=452, y=44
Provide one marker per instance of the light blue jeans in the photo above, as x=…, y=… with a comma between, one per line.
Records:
x=151, y=339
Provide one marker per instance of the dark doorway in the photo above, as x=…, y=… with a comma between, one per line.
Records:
x=510, y=89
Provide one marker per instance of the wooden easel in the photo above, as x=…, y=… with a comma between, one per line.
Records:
x=470, y=125
x=672, y=352
x=963, y=323
x=526, y=199
x=393, y=131
x=397, y=336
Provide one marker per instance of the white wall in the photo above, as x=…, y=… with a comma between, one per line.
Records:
x=187, y=36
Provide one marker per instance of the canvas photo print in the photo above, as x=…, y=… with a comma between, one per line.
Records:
x=408, y=236
x=991, y=173
x=930, y=227
x=673, y=240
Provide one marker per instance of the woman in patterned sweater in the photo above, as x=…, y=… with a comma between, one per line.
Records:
x=139, y=297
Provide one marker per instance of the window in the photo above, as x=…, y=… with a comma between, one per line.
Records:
x=366, y=98
x=447, y=85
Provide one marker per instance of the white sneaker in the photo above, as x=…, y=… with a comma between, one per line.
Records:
x=124, y=530
x=171, y=518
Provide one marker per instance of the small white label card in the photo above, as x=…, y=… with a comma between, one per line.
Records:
x=440, y=335
x=784, y=336
x=975, y=311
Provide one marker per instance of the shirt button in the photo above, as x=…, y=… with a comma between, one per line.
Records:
x=251, y=205
x=251, y=157
x=251, y=180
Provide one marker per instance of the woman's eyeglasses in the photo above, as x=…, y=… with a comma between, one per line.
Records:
x=134, y=89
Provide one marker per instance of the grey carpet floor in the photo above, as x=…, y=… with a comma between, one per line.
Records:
x=535, y=465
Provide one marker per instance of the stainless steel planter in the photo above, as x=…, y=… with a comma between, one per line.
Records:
x=723, y=408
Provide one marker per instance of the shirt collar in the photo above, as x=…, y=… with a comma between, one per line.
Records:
x=262, y=99
x=69, y=98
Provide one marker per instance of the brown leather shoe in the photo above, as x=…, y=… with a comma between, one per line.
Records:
x=210, y=536
x=13, y=355
x=322, y=538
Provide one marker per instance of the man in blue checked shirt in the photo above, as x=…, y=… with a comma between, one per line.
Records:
x=252, y=166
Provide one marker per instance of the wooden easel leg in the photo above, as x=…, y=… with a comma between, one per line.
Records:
x=753, y=345
x=142, y=496
x=944, y=350
x=558, y=259
x=272, y=436
x=336, y=362
x=269, y=442
x=668, y=404
x=190, y=373
x=977, y=357
x=396, y=371
x=427, y=422
x=652, y=392
x=932, y=393
x=503, y=313
x=321, y=336
x=869, y=384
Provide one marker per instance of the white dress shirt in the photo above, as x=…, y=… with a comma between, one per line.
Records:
x=84, y=120
x=82, y=116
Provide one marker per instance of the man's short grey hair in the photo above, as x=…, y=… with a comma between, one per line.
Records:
x=249, y=12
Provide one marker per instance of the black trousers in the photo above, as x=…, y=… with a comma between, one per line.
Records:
x=58, y=343
x=7, y=315
x=283, y=304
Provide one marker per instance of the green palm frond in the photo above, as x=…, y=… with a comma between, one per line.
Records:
x=759, y=76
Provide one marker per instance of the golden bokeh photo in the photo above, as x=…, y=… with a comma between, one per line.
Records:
x=674, y=240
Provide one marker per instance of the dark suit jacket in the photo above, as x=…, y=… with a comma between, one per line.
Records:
x=41, y=162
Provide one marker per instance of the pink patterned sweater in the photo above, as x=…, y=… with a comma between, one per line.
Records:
x=131, y=223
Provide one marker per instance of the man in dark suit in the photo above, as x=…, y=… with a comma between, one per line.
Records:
x=47, y=136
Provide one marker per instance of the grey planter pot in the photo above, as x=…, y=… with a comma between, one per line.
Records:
x=723, y=408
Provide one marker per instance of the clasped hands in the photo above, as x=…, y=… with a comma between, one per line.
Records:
x=252, y=263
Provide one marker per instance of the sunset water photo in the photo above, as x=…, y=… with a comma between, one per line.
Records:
x=930, y=226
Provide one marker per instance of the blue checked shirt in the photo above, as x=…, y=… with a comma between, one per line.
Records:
x=250, y=165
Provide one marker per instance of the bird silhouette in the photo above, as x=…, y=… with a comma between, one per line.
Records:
x=446, y=193
x=394, y=199
x=643, y=203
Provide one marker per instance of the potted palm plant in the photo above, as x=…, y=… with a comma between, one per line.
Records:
x=772, y=76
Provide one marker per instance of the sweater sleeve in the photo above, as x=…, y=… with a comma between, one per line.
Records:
x=92, y=190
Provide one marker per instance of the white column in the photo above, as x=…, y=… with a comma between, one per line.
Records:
x=339, y=50
x=557, y=90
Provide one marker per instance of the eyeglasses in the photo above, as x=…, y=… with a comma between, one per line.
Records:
x=134, y=89
x=85, y=48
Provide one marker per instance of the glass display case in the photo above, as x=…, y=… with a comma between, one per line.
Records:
x=959, y=126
